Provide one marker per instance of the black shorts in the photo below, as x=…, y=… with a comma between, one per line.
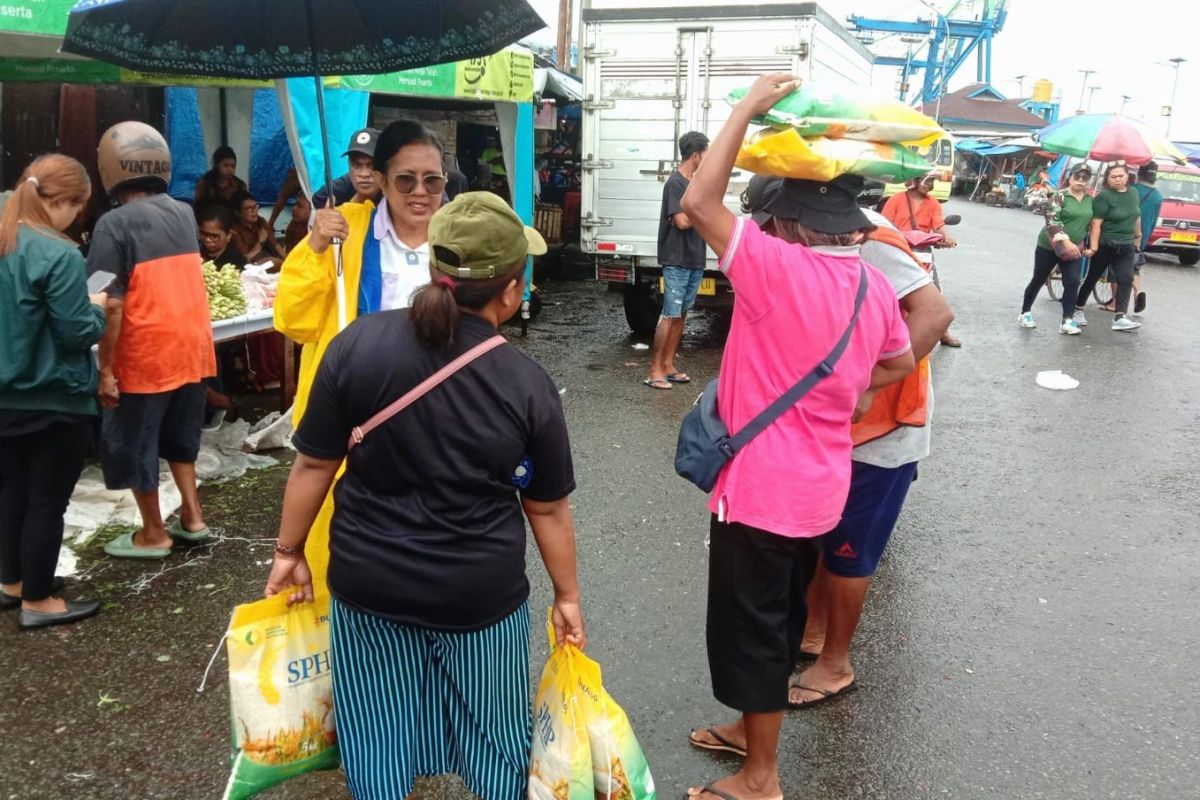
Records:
x=143, y=428
x=756, y=613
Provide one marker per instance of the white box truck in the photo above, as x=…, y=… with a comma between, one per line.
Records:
x=651, y=74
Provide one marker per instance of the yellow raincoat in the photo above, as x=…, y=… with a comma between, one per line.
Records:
x=306, y=312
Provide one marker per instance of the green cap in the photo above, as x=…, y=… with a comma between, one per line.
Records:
x=477, y=236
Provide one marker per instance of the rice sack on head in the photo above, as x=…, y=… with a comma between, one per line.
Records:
x=786, y=154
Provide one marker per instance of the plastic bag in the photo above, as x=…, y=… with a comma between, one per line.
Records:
x=784, y=153
x=583, y=745
x=619, y=768
x=560, y=765
x=280, y=693
x=816, y=111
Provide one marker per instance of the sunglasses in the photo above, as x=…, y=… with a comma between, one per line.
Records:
x=406, y=183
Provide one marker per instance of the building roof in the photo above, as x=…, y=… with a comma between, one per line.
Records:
x=984, y=107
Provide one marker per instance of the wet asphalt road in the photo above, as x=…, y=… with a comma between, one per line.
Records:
x=1034, y=631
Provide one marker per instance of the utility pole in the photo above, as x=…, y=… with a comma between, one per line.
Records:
x=1124, y=101
x=564, y=35
x=1082, y=92
x=1020, y=86
x=1091, y=93
x=1174, y=88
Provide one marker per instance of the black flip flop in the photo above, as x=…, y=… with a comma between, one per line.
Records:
x=723, y=745
x=679, y=377
x=1139, y=303
x=710, y=790
x=826, y=694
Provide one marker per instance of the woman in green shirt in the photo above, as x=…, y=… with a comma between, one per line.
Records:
x=1115, y=236
x=48, y=384
x=1064, y=249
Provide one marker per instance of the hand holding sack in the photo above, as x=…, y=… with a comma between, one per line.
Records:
x=280, y=693
x=583, y=745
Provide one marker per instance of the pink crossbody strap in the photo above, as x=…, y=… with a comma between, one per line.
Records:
x=360, y=431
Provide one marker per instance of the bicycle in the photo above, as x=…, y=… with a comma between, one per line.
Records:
x=1103, y=291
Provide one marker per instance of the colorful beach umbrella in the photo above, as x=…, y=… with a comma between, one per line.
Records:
x=1107, y=137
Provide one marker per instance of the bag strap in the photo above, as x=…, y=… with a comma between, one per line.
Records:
x=912, y=216
x=805, y=385
x=359, y=432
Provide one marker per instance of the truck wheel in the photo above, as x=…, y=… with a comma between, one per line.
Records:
x=642, y=308
x=1189, y=258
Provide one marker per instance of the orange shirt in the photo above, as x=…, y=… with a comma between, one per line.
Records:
x=927, y=212
x=166, y=338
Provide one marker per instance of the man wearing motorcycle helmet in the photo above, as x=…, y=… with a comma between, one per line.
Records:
x=158, y=346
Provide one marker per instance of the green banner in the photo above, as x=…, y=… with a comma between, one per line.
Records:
x=41, y=17
x=436, y=81
x=58, y=71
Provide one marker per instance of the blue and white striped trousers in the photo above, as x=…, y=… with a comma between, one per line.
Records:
x=412, y=701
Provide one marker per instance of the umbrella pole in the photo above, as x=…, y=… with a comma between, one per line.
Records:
x=320, y=87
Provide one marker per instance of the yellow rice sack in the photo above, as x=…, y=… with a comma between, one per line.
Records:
x=786, y=154
x=280, y=693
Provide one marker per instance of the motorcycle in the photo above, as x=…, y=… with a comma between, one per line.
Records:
x=923, y=244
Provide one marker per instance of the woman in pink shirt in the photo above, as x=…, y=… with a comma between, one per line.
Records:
x=789, y=484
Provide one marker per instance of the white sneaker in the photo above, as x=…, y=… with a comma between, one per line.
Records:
x=1125, y=324
x=1079, y=318
x=1070, y=328
x=1026, y=320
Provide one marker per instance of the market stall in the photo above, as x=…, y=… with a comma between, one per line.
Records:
x=558, y=98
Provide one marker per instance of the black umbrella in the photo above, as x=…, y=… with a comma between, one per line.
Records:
x=267, y=39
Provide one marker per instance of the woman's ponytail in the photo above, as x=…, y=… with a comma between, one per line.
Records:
x=48, y=179
x=437, y=307
x=434, y=313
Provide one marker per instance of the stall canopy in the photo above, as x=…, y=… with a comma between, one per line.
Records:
x=550, y=82
x=985, y=148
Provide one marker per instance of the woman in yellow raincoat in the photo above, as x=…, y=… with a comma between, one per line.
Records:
x=385, y=257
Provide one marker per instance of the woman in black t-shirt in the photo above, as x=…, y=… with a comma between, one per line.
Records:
x=427, y=541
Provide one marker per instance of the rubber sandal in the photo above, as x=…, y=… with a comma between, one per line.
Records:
x=679, y=377
x=826, y=694
x=709, y=790
x=123, y=547
x=661, y=384
x=723, y=745
x=177, y=531
x=1139, y=305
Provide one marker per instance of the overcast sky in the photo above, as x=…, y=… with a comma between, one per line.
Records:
x=1055, y=39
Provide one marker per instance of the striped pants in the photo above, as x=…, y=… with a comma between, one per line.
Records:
x=412, y=701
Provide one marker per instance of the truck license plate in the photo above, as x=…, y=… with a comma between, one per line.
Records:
x=1183, y=237
x=708, y=286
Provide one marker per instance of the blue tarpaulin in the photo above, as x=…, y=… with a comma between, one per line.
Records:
x=185, y=137
x=254, y=130
x=270, y=156
x=345, y=113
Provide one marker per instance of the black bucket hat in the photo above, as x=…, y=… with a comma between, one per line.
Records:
x=827, y=207
x=758, y=194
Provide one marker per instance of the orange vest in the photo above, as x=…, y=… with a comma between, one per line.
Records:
x=902, y=403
